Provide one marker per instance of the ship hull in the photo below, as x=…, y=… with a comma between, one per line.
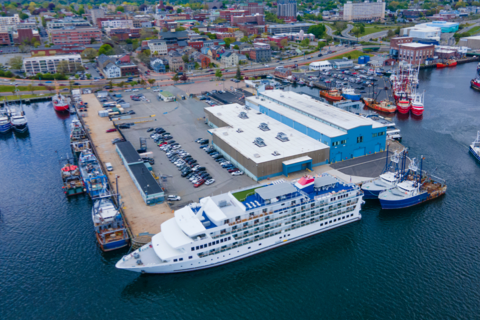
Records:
x=353, y=97
x=474, y=154
x=20, y=127
x=61, y=107
x=417, y=111
x=371, y=194
x=378, y=108
x=474, y=85
x=245, y=251
x=329, y=97
x=403, y=107
x=74, y=191
x=5, y=128
x=409, y=202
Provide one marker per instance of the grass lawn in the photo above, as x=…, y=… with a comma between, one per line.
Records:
x=351, y=55
x=27, y=96
x=242, y=195
x=375, y=28
x=473, y=31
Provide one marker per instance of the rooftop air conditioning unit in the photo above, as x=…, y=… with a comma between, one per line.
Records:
x=275, y=153
x=259, y=142
x=239, y=130
x=263, y=126
x=243, y=115
x=282, y=137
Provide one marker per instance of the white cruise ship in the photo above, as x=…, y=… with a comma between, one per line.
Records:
x=239, y=224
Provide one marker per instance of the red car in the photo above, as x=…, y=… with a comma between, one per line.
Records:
x=162, y=144
x=199, y=183
x=112, y=130
x=232, y=170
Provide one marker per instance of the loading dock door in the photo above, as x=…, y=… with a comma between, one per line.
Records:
x=359, y=152
x=377, y=147
x=338, y=157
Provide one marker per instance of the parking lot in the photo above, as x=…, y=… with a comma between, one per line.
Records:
x=92, y=70
x=184, y=120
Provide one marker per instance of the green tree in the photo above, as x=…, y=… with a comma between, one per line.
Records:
x=236, y=47
x=299, y=18
x=284, y=43
x=77, y=76
x=218, y=73
x=89, y=53
x=305, y=42
x=44, y=22
x=179, y=10
x=175, y=77
x=318, y=30
x=88, y=75
x=151, y=81
x=238, y=76
x=63, y=67
x=105, y=49
x=120, y=8
x=30, y=88
x=23, y=16
x=185, y=58
x=16, y=62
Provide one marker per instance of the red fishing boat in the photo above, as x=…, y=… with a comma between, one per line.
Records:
x=417, y=104
x=403, y=104
x=60, y=103
x=383, y=106
x=448, y=64
x=475, y=84
x=331, y=95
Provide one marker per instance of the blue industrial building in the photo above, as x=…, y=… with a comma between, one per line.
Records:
x=348, y=135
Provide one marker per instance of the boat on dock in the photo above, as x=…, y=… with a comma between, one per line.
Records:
x=383, y=106
x=475, y=147
x=5, y=124
x=60, y=102
x=417, y=103
x=403, y=104
x=349, y=93
x=72, y=180
x=19, y=121
x=331, y=95
x=391, y=175
x=93, y=177
x=110, y=229
x=447, y=64
x=417, y=188
x=475, y=82
x=235, y=225
x=78, y=138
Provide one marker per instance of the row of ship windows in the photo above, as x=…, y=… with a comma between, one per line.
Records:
x=211, y=243
x=248, y=239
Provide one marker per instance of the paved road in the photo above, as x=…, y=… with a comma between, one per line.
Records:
x=367, y=166
x=346, y=32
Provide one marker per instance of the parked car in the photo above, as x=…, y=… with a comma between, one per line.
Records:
x=173, y=197
x=117, y=140
x=199, y=183
x=210, y=181
x=237, y=173
x=111, y=130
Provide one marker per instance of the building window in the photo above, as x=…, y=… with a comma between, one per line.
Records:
x=343, y=142
x=359, y=139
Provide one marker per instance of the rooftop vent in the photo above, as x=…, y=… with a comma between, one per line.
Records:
x=256, y=155
x=239, y=130
x=282, y=137
x=275, y=153
x=263, y=126
x=243, y=115
x=259, y=142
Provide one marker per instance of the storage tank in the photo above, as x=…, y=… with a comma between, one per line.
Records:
x=361, y=60
x=367, y=58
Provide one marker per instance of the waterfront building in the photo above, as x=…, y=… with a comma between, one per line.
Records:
x=151, y=192
x=363, y=11
x=48, y=64
x=260, y=146
x=472, y=42
x=422, y=32
x=445, y=26
x=415, y=53
x=348, y=135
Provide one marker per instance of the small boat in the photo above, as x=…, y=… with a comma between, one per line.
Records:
x=403, y=104
x=349, y=93
x=383, y=106
x=110, y=229
x=417, y=188
x=72, y=180
x=475, y=84
x=475, y=147
x=391, y=175
x=417, y=104
x=449, y=63
x=5, y=124
x=331, y=95
x=368, y=101
x=19, y=121
x=60, y=103
x=78, y=138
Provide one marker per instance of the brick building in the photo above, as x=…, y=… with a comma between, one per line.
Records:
x=260, y=55
x=198, y=45
x=25, y=34
x=5, y=38
x=228, y=14
x=62, y=49
x=128, y=69
x=415, y=53
x=124, y=33
x=75, y=36
x=258, y=19
x=395, y=42
x=254, y=8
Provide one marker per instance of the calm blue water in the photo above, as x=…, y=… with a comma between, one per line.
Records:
x=420, y=263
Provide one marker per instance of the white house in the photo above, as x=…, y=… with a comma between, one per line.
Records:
x=112, y=71
x=158, y=46
x=229, y=59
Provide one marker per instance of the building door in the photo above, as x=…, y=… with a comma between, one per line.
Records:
x=338, y=157
x=359, y=152
x=377, y=147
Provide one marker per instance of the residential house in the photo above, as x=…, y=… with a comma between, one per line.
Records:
x=216, y=52
x=112, y=71
x=103, y=60
x=158, y=65
x=176, y=64
x=229, y=59
x=158, y=46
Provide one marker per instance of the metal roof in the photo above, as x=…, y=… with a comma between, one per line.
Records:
x=129, y=153
x=324, y=181
x=276, y=190
x=145, y=180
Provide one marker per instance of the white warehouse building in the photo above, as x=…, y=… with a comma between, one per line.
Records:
x=422, y=32
x=320, y=65
x=363, y=11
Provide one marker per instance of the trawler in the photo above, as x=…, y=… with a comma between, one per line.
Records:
x=110, y=229
x=235, y=225
x=93, y=177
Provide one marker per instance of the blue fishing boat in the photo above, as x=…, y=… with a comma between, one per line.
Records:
x=93, y=177
x=475, y=147
x=110, y=229
x=416, y=189
x=392, y=174
x=349, y=93
x=5, y=124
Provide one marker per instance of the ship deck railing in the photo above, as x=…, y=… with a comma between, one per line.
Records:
x=325, y=210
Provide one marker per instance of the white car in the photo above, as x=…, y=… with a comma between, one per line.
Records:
x=128, y=90
x=176, y=147
x=237, y=173
x=267, y=65
x=173, y=197
x=208, y=182
x=135, y=90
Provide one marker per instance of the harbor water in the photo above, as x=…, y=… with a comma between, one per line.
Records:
x=415, y=263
